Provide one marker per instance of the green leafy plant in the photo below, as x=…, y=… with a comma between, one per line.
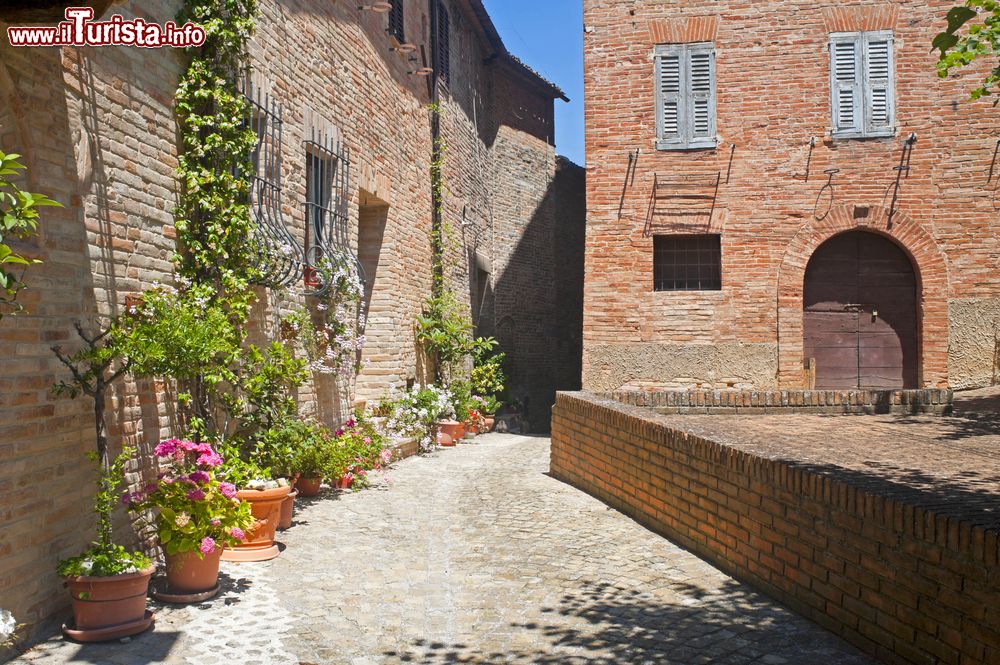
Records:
x=446, y=334
x=105, y=558
x=194, y=511
x=264, y=382
x=488, y=376
x=214, y=228
x=967, y=38
x=18, y=220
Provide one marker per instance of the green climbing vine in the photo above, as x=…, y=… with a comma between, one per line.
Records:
x=213, y=219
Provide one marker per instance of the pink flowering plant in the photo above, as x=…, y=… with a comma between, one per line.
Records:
x=195, y=512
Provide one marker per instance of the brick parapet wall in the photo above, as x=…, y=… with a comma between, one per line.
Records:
x=908, y=582
x=790, y=401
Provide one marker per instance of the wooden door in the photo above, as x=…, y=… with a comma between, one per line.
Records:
x=860, y=314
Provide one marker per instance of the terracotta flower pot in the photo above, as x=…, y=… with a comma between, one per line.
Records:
x=345, y=482
x=265, y=505
x=308, y=487
x=488, y=423
x=471, y=429
x=445, y=440
x=451, y=428
x=102, y=603
x=189, y=573
x=287, y=510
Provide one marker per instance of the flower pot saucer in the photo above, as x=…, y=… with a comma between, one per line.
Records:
x=110, y=632
x=251, y=555
x=162, y=592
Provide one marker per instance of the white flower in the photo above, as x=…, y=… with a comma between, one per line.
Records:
x=8, y=624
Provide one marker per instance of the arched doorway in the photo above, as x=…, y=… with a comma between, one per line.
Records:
x=860, y=314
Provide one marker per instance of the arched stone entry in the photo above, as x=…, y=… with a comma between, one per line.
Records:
x=933, y=288
x=860, y=317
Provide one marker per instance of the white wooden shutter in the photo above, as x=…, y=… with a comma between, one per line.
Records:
x=669, y=98
x=701, y=68
x=879, y=102
x=846, y=74
x=685, y=96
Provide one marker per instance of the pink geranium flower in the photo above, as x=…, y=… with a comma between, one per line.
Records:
x=199, y=477
x=228, y=490
x=196, y=494
x=237, y=533
x=207, y=545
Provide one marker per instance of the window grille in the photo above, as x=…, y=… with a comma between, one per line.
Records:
x=442, y=42
x=687, y=263
x=328, y=242
x=396, y=21
x=279, y=254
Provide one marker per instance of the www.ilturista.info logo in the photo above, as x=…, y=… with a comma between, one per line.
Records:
x=80, y=30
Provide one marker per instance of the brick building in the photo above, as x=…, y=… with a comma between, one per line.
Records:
x=97, y=130
x=784, y=194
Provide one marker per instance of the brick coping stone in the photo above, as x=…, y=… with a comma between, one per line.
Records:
x=762, y=402
x=884, y=529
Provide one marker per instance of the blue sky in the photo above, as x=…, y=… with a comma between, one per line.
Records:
x=548, y=36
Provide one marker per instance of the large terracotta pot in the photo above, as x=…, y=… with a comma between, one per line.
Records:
x=102, y=603
x=265, y=505
x=308, y=487
x=345, y=482
x=189, y=573
x=488, y=423
x=287, y=510
x=453, y=429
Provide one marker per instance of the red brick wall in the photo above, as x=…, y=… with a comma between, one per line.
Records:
x=906, y=584
x=773, y=98
x=99, y=135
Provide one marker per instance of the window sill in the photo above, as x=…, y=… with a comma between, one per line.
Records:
x=853, y=136
x=704, y=144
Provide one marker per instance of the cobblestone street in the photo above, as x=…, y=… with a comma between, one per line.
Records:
x=472, y=555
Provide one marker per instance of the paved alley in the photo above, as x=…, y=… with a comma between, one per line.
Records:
x=472, y=555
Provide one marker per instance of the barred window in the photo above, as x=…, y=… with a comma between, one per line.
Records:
x=396, y=21
x=442, y=42
x=687, y=263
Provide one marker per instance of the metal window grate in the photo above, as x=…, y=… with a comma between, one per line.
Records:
x=328, y=240
x=279, y=254
x=396, y=21
x=687, y=263
x=442, y=42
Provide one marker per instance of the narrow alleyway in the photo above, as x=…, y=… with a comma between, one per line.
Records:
x=472, y=555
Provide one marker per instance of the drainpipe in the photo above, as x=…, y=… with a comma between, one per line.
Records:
x=437, y=223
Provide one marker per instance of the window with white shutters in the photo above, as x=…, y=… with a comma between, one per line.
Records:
x=861, y=84
x=685, y=96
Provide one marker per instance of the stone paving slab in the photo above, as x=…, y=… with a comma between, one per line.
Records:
x=472, y=555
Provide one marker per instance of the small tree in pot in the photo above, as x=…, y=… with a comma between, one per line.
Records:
x=108, y=583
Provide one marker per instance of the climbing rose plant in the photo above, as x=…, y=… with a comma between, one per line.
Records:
x=214, y=229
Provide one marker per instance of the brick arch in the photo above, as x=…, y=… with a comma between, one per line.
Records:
x=928, y=262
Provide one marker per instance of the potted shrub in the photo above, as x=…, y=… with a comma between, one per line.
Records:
x=265, y=495
x=196, y=516
x=488, y=407
x=310, y=446
x=107, y=583
x=284, y=449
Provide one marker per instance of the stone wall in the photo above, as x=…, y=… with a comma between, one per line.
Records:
x=770, y=207
x=904, y=578
x=99, y=135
